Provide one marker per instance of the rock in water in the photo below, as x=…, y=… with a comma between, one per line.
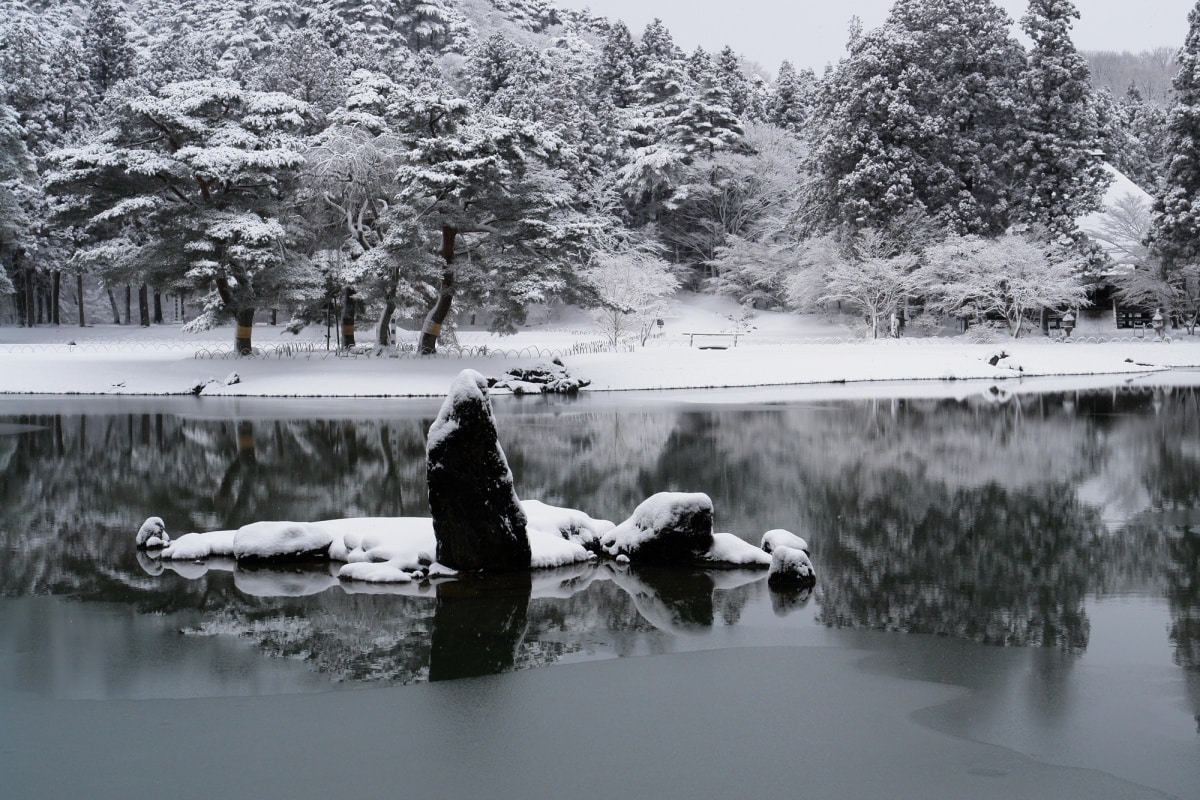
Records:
x=790, y=568
x=152, y=534
x=667, y=528
x=477, y=519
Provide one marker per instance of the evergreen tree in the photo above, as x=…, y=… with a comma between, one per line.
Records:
x=791, y=98
x=920, y=118
x=107, y=49
x=1061, y=174
x=733, y=81
x=1176, y=232
x=191, y=187
x=615, y=68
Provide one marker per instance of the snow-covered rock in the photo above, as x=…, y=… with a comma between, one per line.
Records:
x=567, y=523
x=778, y=537
x=264, y=541
x=478, y=522
x=728, y=550
x=541, y=379
x=152, y=534
x=667, y=528
x=192, y=546
x=790, y=568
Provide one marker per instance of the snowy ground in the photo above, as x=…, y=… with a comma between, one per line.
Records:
x=773, y=349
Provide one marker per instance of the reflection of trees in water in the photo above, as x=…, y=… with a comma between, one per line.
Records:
x=74, y=489
x=989, y=564
x=984, y=511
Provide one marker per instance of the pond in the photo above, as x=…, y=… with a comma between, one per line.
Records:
x=1008, y=602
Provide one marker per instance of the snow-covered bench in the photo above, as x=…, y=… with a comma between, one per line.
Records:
x=692, y=340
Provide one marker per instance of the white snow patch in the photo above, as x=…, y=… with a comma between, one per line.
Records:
x=730, y=550
x=153, y=533
x=778, y=537
x=790, y=564
x=279, y=539
x=192, y=546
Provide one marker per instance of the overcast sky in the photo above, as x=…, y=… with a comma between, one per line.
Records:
x=812, y=33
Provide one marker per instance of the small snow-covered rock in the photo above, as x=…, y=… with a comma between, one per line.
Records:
x=729, y=550
x=541, y=379
x=152, y=534
x=386, y=572
x=262, y=541
x=567, y=523
x=778, y=537
x=667, y=528
x=790, y=568
x=232, y=378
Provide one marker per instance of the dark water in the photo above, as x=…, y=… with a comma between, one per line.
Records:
x=1042, y=552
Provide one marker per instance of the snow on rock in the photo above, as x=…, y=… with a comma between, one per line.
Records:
x=778, y=537
x=540, y=379
x=369, y=572
x=790, y=568
x=152, y=534
x=232, y=379
x=262, y=541
x=729, y=550
x=192, y=546
x=408, y=541
x=477, y=519
x=567, y=523
x=667, y=528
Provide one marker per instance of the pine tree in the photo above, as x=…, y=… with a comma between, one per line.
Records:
x=1176, y=231
x=920, y=119
x=733, y=81
x=615, y=69
x=792, y=97
x=1061, y=174
x=107, y=49
x=191, y=187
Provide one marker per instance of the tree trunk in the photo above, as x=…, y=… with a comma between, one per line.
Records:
x=348, y=317
x=144, y=305
x=112, y=301
x=158, y=317
x=79, y=296
x=383, y=330
x=242, y=343
x=128, y=304
x=56, y=297
x=441, y=309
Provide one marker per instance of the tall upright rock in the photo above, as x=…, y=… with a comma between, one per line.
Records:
x=478, y=522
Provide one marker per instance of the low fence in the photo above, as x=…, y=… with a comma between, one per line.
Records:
x=318, y=349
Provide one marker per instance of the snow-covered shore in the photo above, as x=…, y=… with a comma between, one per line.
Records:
x=779, y=350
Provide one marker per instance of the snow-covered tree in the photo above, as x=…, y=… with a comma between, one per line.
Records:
x=971, y=277
x=634, y=290
x=191, y=186
x=921, y=116
x=792, y=98
x=1062, y=177
x=615, y=68
x=17, y=188
x=107, y=49
x=1176, y=232
x=867, y=274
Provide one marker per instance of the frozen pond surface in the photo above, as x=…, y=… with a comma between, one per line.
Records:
x=1008, y=605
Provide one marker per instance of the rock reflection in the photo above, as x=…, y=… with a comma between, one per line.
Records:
x=985, y=521
x=478, y=626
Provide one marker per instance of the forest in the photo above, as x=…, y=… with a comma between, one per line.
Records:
x=435, y=160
